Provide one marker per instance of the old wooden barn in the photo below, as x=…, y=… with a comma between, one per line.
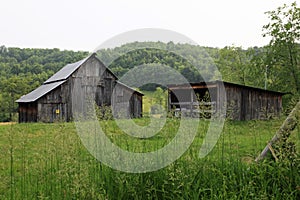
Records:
x=243, y=102
x=53, y=100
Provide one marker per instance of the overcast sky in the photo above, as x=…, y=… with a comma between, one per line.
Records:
x=84, y=25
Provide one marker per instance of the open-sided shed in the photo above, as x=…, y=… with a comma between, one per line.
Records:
x=243, y=102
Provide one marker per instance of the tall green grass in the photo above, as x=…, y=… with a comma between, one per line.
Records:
x=48, y=161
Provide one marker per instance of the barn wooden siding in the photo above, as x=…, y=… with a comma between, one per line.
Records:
x=127, y=102
x=91, y=82
x=78, y=83
x=243, y=102
x=246, y=103
x=55, y=105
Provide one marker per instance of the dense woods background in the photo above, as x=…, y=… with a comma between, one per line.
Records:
x=273, y=67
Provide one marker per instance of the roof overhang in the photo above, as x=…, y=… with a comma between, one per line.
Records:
x=39, y=92
x=212, y=84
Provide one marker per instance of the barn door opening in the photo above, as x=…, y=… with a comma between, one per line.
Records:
x=131, y=107
x=28, y=112
x=108, y=90
x=244, y=104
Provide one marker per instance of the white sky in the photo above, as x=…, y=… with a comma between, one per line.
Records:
x=85, y=24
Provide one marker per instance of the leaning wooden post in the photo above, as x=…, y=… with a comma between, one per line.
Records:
x=288, y=125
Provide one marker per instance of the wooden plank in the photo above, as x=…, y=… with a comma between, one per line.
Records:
x=192, y=87
x=273, y=152
x=194, y=103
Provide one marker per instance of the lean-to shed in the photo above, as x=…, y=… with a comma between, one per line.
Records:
x=243, y=102
x=52, y=101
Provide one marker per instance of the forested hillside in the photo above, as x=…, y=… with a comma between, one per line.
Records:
x=251, y=67
x=234, y=63
x=22, y=70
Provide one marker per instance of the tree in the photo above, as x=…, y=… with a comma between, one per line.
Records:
x=11, y=89
x=233, y=63
x=284, y=30
x=159, y=96
x=159, y=101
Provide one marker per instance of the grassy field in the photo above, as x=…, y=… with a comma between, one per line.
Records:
x=48, y=161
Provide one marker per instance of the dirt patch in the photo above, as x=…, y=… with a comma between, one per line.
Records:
x=247, y=159
x=6, y=123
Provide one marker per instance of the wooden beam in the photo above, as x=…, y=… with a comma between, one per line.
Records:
x=195, y=103
x=288, y=125
x=185, y=87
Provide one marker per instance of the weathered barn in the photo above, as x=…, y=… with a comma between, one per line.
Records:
x=91, y=80
x=243, y=102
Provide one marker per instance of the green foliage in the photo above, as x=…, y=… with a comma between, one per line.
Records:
x=234, y=65
x=154, y=102
x=160, y=97
x=104, y=112
x=285, y=146
x=186, y=59
x=283, y=55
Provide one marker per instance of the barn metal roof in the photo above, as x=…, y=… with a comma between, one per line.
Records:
x=213, y=84
x=66, y=71
x=130, y=88
x=39, y=92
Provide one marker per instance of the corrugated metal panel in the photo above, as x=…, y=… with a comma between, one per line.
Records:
x=67, y=71
x=39, y=92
